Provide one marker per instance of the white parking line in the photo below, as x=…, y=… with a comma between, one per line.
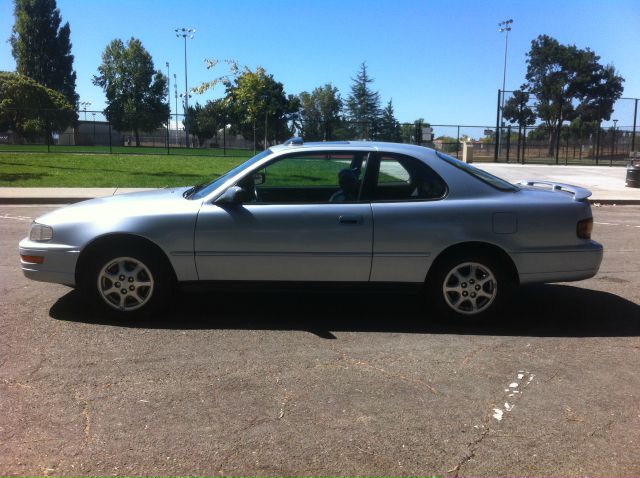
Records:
x=612, y=224
x=513, y=391
x=16, y=218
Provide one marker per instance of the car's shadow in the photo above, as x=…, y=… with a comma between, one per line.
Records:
x=541, y=310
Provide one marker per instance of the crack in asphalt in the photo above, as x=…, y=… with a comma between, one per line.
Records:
x=393, y=374
x=86, y=434
x=523, y=377
x=473, y=446
x=10, y=382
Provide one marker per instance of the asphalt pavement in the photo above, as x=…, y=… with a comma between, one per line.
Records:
x=256, y=383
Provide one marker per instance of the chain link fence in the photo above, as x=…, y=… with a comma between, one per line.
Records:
x=93, y=133
x=573, y=143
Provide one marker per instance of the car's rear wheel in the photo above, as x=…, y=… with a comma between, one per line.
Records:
x=127, y=282
x=469, y=287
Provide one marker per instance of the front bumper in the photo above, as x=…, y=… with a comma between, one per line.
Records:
x=59, y=263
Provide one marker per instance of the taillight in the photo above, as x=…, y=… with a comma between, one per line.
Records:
x=584, y=228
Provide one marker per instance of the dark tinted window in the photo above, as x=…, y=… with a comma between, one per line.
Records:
x=402, y=178
x=330, y=177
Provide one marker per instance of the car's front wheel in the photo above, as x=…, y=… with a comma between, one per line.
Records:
x=469, y=288
x=127, y=283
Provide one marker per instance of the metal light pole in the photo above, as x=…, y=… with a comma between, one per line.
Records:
x=184, y=33
x=94, y=128
x=175, y=90
x=635, y=117
x=168, y=103
x=185, y=106
x=266, y=111
x=613, y=143
x=505, y=26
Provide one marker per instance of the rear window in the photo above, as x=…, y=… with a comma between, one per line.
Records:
x=483, y=176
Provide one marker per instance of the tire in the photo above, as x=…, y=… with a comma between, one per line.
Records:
x=126, y=282
x=469, y=287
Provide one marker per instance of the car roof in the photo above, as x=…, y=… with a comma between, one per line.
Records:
x=401, y=148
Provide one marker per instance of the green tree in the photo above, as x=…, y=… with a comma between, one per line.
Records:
x=205, y=121
x=449, y=144
x=412, y=132
x=320, y=113
x=363, y=105
x=136, y=93
x=539, y=133
x=31, y=109
x=255, y=97
x=389, y=126
x=569, y=82
x=517, y=111
x=41, y=48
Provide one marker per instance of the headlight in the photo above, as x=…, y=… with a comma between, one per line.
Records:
x=40, y=232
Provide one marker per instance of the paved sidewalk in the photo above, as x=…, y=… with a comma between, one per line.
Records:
x=58, y=195
x=606, y=183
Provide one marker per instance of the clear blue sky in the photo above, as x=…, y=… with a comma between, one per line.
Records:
x=440, y=60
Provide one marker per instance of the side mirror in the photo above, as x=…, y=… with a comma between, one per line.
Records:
x=233, y=195
x=259, y=178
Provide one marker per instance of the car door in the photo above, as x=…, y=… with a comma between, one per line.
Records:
x=409, y=217
x=289, y=229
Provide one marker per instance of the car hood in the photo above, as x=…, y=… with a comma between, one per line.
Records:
x=155, y=201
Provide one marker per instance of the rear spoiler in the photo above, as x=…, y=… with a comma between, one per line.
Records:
x=579, y=194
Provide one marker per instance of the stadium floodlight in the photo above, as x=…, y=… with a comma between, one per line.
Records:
x=184, y=33
x=83, y=106
x=505, y=26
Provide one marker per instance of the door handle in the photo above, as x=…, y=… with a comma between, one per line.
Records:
x=350, y=219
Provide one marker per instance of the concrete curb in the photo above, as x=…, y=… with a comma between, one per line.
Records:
x=43, y=200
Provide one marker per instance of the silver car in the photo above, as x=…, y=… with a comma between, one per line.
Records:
x=326, y=213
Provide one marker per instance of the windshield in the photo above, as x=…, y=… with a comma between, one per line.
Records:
x=199, y=192
x=483, y=176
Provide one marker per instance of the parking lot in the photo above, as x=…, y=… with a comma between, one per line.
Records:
x=254, y=383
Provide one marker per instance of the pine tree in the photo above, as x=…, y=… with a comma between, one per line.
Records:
x=389, y=126
x=41, y=48
x=363, y=105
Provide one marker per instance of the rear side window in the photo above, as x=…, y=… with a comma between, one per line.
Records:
x=483, y=176
x=403, y=178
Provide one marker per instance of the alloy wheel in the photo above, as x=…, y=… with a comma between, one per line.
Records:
x=125, y=283
x=470, y=288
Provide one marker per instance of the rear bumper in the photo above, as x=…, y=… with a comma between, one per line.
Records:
x=59, y=263
x=563, y=265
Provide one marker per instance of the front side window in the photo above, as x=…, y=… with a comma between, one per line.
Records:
x=308, y=178
x=203, y=190
x=402, y=178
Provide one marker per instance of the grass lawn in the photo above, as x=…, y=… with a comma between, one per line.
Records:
x=130, y=150
x=111, y=170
